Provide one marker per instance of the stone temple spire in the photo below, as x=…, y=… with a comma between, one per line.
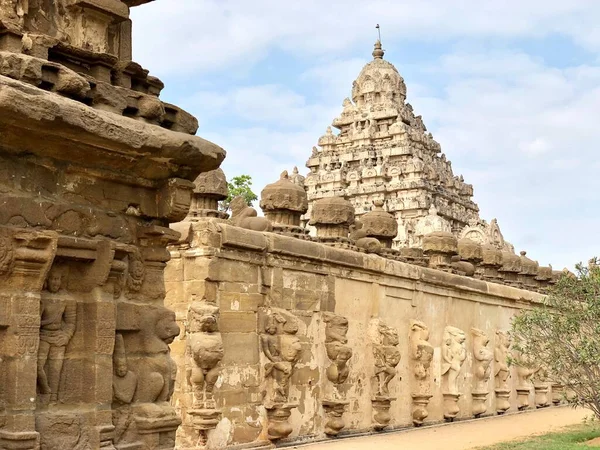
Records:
x=378, y=52
x=383, y=152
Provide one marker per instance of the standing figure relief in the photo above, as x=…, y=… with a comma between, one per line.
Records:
x=58, y=319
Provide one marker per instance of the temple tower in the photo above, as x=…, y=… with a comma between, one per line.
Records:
x=383, y=152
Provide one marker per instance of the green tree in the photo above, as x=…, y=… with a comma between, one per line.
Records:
x=562, y=335
x=239, y=185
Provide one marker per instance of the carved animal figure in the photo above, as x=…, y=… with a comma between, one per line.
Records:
x=244, y=216
x=155, y=368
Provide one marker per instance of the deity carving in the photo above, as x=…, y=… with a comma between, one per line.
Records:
x=502, y=372
x=282, y=348
x=387, y=357
x=244, y=216
x=57, y=327
x=124, y=387
x=453, y=356
x=136, y=272
x=482, y=359
x=339, y=353
x=204, y=351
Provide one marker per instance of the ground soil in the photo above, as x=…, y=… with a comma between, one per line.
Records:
x=593, y=442
x=463, y=435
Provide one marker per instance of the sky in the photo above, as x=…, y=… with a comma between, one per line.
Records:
x=510, y=89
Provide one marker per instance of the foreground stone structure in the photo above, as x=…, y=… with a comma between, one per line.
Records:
x=93, y=169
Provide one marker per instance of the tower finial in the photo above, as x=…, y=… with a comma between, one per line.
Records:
x=378, y=52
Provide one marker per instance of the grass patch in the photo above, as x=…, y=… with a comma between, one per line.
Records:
x=571, y=438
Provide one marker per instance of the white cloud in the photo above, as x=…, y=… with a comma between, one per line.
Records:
x=209, y=35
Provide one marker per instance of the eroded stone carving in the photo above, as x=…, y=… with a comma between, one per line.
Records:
x=502, y=372
x=386, y=357
x=482, y=359
x=541, y=387
x=282, y=348
x=525, y=370
x=421, y=352
x=58, y=319
x=454, y=354
x=204, y=352
x=124, y=387
x=339, y=353
x=244, y=216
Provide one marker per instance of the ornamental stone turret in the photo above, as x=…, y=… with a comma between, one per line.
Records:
x=209, y=189
x=332, y=217
x=283, y=203
x=380, y=224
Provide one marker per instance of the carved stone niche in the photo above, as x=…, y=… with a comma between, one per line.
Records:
x=204, y=351
x=283, y=203
x=454, y=354
x=282, y=350
x=338, y=353
x=386, y=357
x=502, y=371
x=421, y=354
x=482, y=359
x=209, y=189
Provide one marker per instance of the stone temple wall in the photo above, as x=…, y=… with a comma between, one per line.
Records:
x=289, y=340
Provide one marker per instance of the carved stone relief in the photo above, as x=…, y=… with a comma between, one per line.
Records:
x=58, y=313
x=453, y=356
x=502, y=371
x=339, y=353
x=482, y=359
x=282, y=348
x=386, y=357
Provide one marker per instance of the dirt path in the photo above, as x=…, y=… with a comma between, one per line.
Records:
x=462, y=435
